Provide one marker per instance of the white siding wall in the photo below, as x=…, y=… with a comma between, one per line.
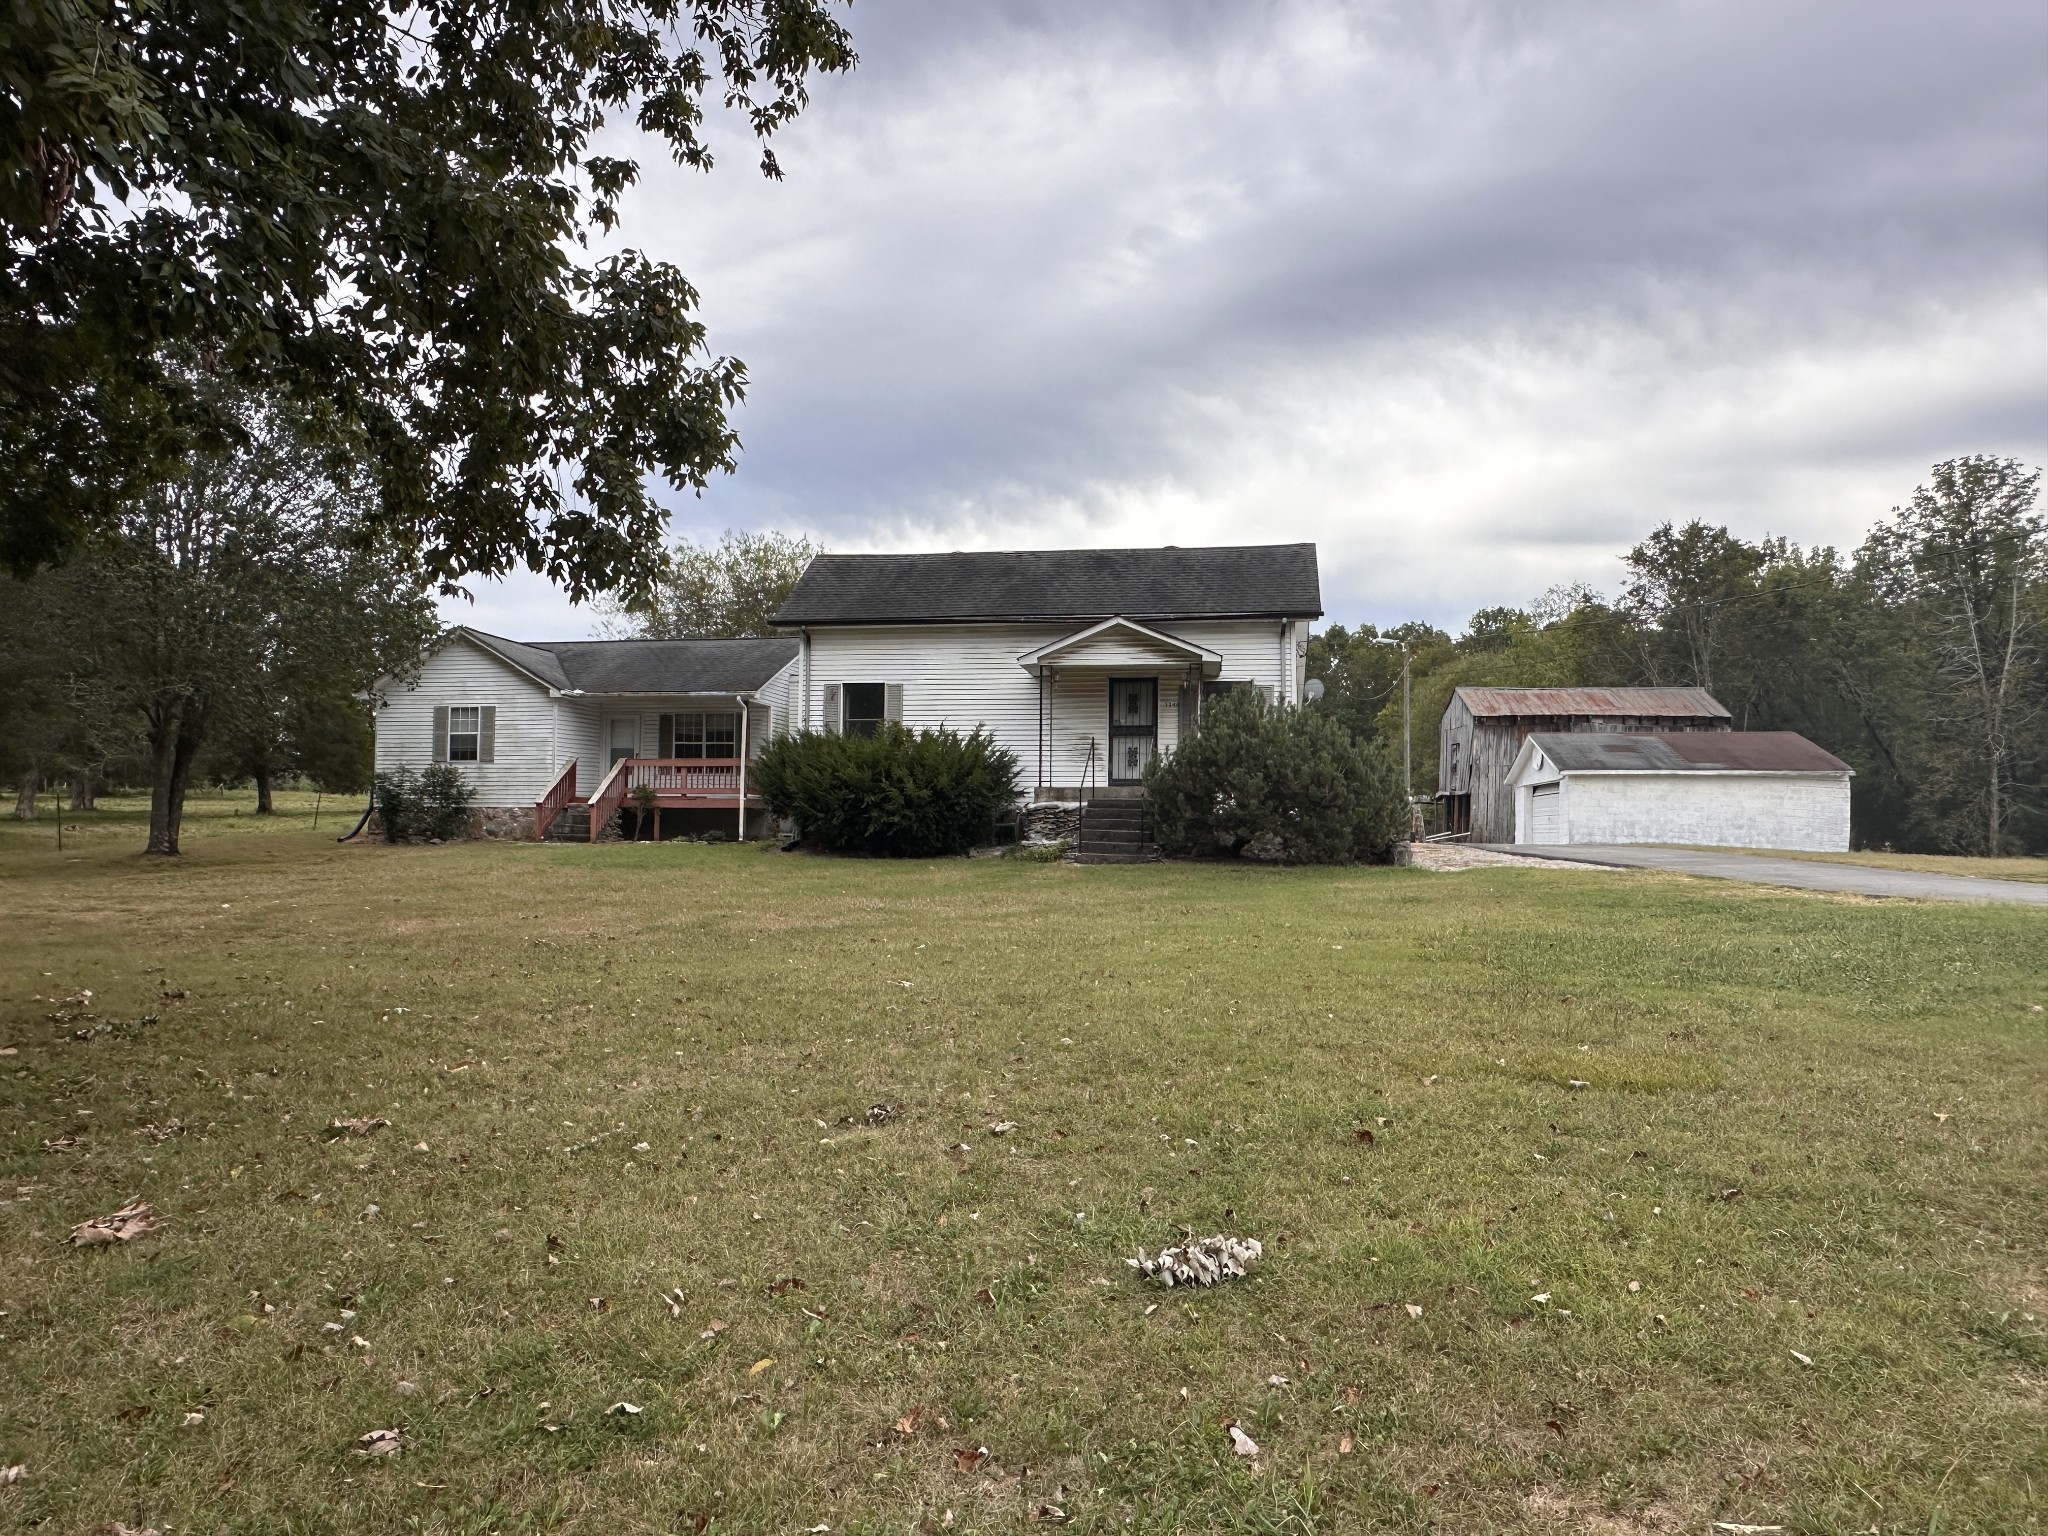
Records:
x=460, y=674
x=1731, y=810
x=967, y=675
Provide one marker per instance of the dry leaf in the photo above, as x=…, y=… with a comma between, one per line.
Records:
x=360, y=1125
x=125, y=1225
x=969, y=1458
x=712, y=1329
x=624, y=1408
x=1802, y=1359
x=985, y=1296
x=882, y=1114
x=1051, y=1514
x=1002, y=1128
x=194, y=1419
x=907, y=1425
x=1413, y=1310
x=378, y=1442
x=760, y=1365
x=780, y=1287
x=1199, y=1260
x=1362, y=1134
x=13, y=1474
x=674, y=1299
x=1241, y=1442
x=1634, y=1286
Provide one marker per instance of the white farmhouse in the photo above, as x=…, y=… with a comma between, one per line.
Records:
x=1722, y=789
x=1084, y=662
x=557, y=736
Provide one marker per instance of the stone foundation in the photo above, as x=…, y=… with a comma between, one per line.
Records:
x=510, y=823
x=1049, y=821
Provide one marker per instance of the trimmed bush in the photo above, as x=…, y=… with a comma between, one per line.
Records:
x=896, y=794
x=1288, y=780
x=432, y=803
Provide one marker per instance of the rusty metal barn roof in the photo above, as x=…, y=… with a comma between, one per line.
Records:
x=1559, y=703
x=1685, y=752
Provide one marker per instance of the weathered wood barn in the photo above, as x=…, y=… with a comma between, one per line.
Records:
x=1483, y=730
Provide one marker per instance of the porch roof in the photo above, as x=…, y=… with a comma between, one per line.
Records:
x=1121, y=642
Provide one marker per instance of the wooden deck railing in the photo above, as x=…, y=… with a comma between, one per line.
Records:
x=686, y=775
x=605, y=802
x=554, y=802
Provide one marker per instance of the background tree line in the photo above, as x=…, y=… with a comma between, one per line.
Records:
x=1918, y=659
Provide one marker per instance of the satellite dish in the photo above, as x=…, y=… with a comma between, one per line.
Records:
x=1314, y=690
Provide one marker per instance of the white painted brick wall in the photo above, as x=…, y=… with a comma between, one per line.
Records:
x=1716, y=810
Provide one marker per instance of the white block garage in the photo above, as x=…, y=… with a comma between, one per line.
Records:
x=1717, y=789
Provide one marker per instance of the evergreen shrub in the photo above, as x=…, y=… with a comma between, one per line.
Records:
x=1289, y=780
x=435, y=802
x=896, y=794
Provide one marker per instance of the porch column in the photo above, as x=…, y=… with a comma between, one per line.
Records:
x=743, y=765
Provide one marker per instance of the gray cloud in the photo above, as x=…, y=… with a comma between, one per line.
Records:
x=1470, y=294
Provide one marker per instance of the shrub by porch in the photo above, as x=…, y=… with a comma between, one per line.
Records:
x=895, y=794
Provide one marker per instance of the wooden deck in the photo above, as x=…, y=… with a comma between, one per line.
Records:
x=655, y=783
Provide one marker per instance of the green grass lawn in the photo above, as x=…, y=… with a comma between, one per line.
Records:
x=1809, y=1127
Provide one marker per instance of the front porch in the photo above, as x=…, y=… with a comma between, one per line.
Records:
x=650, y=789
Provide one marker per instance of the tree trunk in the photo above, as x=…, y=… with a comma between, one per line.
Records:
x=264, y=806
x=172, y=764
x=81, y=792
x=25, y=795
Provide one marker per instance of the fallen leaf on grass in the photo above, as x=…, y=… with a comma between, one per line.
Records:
x=712, y=1329
x=1199, y=1260
x=674, y=1299
x=359, y=1125
x=882, y=1114
x=125, y=1225
x=64, y=1143
x=1050, y=1514
x=1802, y=1359
x=1240, y=1442
x=194, y=1419
x=968, y=1458
x=781, y=1287
x=1362, y=1134
x=760, y=1365
x=985, y=1296
x=907, y=1425
x=1576, y=1082
x=1004, y=1127
x=1345, y=1445
x=1412, y=1309
x=1276, y=1381
x=13, y=1474
x=378, y=1442
x=624, y=1408
x=158, y=1134
x=1939, y=1117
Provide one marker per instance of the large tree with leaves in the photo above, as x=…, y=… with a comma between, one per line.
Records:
x=249, y=586
x=702, y=591
x=373, y=211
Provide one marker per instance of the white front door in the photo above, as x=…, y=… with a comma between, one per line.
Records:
x=624, y=738
x=1546, y=814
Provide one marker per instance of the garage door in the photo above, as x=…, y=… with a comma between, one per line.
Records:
x=1546, y=819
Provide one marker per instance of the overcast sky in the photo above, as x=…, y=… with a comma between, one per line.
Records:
x=1471, y=295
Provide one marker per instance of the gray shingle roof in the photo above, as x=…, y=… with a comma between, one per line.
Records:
x=645, y=666
x=1244, y=581
x=1686, y=752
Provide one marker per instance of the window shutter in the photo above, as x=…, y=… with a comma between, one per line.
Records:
x=892, y=702
x=487, y=743
x=1190, y=707
x=832, y=721
x=440, y=733
x=668, y=736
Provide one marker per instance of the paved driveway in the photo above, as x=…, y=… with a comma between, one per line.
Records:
x=1803, y=874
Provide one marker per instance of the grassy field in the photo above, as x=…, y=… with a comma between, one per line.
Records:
x=1779, y=1259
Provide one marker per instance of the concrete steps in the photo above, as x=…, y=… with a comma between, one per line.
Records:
x=1115, y=832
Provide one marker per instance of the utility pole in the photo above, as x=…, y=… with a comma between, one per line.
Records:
x=1407, y=732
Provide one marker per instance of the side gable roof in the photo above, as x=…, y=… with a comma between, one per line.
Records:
x=641, y=666
x=1562, y=703
x=1682, y=752
x=1243, y=581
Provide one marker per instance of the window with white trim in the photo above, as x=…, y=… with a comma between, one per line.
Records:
x=465, y=733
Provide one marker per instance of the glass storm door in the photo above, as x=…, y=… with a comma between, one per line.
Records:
x=1133, y=727
x=625, y=737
